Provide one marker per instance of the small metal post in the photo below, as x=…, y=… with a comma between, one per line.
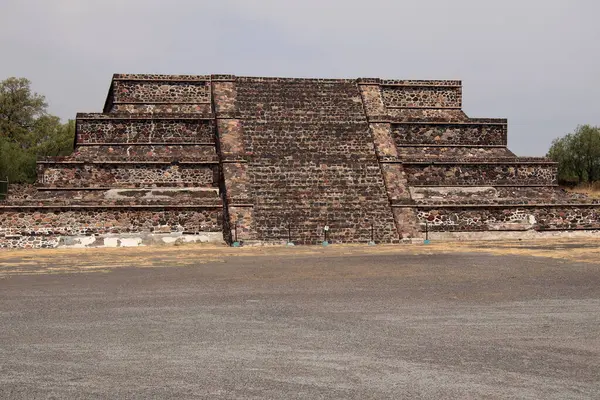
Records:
x=289, y=242
x=372, y=242
x=426, y=232
x=235, y=232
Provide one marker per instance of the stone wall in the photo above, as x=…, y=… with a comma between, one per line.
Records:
x=398, y=115
x=480, y=174
x=422, y=94
x=465, y=219
x=43, y=227
x=128, y=175
x=148, y=92
x=200, y=109
x=127, y=130
x=435, y=153
x=450, y=134
x=98, y=220
x=101, y=197
x=509, y=195
x=153, y=153
x=21, y=191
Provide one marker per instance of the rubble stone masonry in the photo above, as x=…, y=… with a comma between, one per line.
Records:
x=277, y=159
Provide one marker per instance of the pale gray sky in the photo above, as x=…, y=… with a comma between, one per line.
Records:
x=535, y=62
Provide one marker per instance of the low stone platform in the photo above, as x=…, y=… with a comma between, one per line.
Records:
x=271, y=160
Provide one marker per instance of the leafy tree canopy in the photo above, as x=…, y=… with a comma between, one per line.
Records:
x=27, y=131
x=578, y=155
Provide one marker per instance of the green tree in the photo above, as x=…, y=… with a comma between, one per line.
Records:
x=578, y=155
x=27, y=131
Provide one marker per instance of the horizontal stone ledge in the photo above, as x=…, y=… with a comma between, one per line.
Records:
x=227, y=116
x=148, y=102
x=146, y=144
x=58, y=188
x=409, y=85
x=243, y=205
x=369, y=81
x=50, y=162
x=161, y=78
x=136, y=188
x=535, y=205
x=223, y=78
x=109, y=206
x=421, y=82
x=499, y=122
x=422, y=108
x=234, y=161
x=400, y=145
x=543, y=229
x=121, y=116
x=258, y=79
x=468, y=162
x=515, y=185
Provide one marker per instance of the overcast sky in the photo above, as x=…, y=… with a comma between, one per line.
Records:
x=535, y=62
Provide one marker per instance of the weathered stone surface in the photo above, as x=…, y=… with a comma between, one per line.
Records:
x=231, y=138
x=514, y=218
x=277, y=159
x=242, y=225
x=103, y=130
x=373, y=102
x=115, y=175
x=151, y=153
x=450, y=134
x=412, y=153
x=481, y=174
x=430, y=115
x=313, y=162
x=384, y=143
x=238, y=222
x=224, y=97
x=61, y=221
x=147, y=92
x=422, y=97
x=238, y=186
x=198, y=109
x=481, y=195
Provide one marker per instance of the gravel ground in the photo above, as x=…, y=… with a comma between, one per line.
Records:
x=344, y=322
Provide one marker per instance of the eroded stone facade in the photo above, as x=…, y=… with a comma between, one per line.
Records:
x=49, y=221
x=513, y=218
x=116, y=175
x=421, y=97
x=127, y=130
x=278, y=159
x=480, y=174
x=450, y=134
x=147, y=92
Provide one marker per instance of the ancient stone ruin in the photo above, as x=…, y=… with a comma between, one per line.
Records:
x=177, y=158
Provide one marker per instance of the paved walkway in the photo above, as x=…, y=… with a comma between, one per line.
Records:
x=519, y=320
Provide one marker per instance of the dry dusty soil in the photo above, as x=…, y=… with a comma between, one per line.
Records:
x=511, y=320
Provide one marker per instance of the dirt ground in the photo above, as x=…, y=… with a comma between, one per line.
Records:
x=498, y=320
